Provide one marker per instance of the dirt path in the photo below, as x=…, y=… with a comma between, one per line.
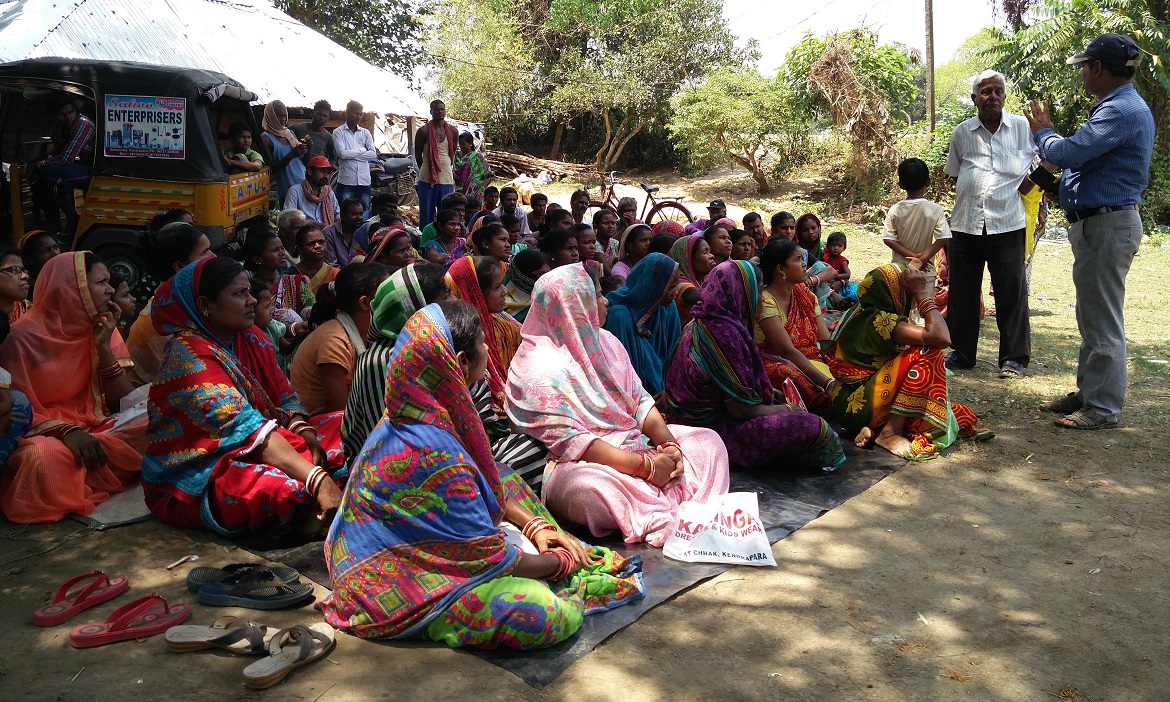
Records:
x=1029, y=568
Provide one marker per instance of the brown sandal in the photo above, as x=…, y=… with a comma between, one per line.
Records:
x=1085, y=420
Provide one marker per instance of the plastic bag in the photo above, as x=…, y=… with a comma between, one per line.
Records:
x=725, y=530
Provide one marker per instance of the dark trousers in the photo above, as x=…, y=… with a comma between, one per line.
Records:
x=1003, y=254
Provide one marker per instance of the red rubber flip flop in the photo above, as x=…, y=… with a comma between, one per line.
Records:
x=134, y=620
x=67, y=604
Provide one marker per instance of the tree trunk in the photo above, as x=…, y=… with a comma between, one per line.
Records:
x=630, y=125
x=755, y=169
x=747, y=161
x=554, y=154
x=599, y=158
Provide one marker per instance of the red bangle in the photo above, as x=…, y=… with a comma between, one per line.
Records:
x=564, y=563
x=535, y=526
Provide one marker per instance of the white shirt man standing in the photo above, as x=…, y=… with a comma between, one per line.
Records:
x=990, y=155
x=354, y=146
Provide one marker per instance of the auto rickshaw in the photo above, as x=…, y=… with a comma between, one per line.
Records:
x=160, y=135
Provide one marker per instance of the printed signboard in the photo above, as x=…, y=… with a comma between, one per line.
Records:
x=151, y=127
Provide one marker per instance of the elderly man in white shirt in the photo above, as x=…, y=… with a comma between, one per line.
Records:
x=990, y=155
x=354, y=146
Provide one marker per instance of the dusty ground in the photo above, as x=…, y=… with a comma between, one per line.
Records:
x=1032, y=567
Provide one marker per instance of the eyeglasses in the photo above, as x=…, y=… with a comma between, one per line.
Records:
x=14, y=270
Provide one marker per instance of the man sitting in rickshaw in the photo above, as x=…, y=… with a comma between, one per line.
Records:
x=67, y=166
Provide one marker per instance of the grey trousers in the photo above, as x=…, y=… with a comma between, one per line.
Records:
x=1103, y=248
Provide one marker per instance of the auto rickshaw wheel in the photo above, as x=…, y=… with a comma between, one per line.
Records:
x=123, y=259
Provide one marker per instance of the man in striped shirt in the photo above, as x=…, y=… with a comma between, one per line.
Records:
x=54, y=177
x=990, y=155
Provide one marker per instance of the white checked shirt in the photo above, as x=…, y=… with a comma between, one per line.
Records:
x=354, y=149
x=989, y=168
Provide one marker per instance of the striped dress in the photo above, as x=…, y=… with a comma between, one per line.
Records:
x=398, y=297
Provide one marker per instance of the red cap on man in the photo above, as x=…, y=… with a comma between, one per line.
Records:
x=321, y=162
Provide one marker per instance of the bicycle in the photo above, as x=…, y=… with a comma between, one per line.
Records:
x=653, y=209
x=393, y=174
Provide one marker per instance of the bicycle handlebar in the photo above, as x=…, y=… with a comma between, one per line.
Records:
x=613, y=176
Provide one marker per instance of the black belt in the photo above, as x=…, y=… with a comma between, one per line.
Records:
x=1078, y=215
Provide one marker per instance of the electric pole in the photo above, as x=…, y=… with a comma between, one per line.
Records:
x=930, y=66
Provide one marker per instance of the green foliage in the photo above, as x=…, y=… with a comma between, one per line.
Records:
x=864, y=90
x=384, y=32
x=616, y=60
x=487, y=75
x=631, y=62
x=1035, y=58
x=736, y=115
x=887, y=69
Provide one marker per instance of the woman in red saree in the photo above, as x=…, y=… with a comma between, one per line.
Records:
x=68, y=358
x=790, y=326
x=231, y=448
x=479, y=281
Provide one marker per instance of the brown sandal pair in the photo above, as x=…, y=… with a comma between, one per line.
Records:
x=287, y=649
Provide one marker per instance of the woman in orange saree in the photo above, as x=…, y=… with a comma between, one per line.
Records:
x=66, y=356
x=790, y=326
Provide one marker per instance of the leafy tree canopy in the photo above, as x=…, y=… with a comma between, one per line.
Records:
x=739, y=115
x=384, y=32
x=619, y=60
x=888, y=70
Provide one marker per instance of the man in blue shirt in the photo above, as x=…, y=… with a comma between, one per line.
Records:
x=1106, y=167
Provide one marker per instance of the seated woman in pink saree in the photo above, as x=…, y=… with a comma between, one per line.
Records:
x=68, y=358
x=616, y=464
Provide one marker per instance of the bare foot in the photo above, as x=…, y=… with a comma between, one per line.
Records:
x=893, y=442
x=863, y=437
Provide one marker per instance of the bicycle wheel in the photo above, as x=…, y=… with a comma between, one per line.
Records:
x=669, y=210
x=403, y=187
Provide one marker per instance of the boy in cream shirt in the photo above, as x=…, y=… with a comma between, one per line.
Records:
x=916, y=227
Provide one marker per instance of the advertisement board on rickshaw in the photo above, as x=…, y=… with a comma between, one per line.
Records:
x=149, y=126
x=161, y=131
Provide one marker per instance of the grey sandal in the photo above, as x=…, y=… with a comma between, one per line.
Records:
x=232, y=634
x=290, y=649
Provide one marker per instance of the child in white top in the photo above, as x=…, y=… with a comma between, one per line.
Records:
x=916, y=227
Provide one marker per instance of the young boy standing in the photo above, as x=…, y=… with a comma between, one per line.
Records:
x=916, y=227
